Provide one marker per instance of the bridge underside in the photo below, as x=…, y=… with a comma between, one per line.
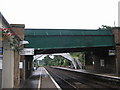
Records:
x=47, y=41
x=51, y=51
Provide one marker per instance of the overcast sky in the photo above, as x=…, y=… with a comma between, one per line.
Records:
x=78, y=14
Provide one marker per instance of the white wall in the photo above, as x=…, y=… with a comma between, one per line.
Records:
x=7, y=63
x=0, y=42
x=0, y=47
x=0, y=23
x=119, y=14
x=0, y=20
x=0, y=64
x=1, y=31
x=8, y=66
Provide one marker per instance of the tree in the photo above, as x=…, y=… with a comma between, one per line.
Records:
x=48, y=61
x=80, y=55
x=83, y=57
x=56, y=61
x=66, y=63
x=105, y=27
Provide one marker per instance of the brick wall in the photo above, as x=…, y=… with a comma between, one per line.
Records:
x=109, y=62
x=22, y=77
x=116, y=32
x=18, y=73
x=19, y=30
x=16, y=69
x=118, y=60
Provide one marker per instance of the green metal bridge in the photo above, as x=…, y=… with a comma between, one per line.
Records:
x=68, y=40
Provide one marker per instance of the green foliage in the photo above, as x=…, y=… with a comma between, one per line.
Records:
x=105, y=27
x=79, y=55
x=57, y=61
x=16, y=45
x=47, y=61
x=83, y=57
x=66, y=63
x=75, y=54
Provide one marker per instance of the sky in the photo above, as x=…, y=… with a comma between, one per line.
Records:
x=61, y=14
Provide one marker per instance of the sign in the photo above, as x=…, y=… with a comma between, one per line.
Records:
x=111, y=52
x=27, y=51
x=20, y=65
x=0, y=64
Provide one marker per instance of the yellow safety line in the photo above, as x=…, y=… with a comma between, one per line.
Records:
x=39, y=82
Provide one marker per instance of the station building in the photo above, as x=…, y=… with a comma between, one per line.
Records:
x=9, y=54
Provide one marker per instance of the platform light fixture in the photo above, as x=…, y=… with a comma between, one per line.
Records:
x=24, y=42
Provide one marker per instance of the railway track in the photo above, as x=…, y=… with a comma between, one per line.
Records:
x=75, y=81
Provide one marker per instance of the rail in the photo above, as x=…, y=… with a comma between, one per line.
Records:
x=108, y=81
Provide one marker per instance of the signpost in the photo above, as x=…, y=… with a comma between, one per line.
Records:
x=27, y=51
x=111, y=52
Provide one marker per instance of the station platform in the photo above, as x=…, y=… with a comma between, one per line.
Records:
x=89, y=72
x=39, y=80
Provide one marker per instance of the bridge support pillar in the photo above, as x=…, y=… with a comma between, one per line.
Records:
x=102, y=62
x=116, y=32
x=28, y=65
x=118, y=60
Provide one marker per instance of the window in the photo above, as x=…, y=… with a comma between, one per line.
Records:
x=102, y=63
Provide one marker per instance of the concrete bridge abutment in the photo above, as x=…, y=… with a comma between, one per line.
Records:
x=28, y=65
x=103, y=62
